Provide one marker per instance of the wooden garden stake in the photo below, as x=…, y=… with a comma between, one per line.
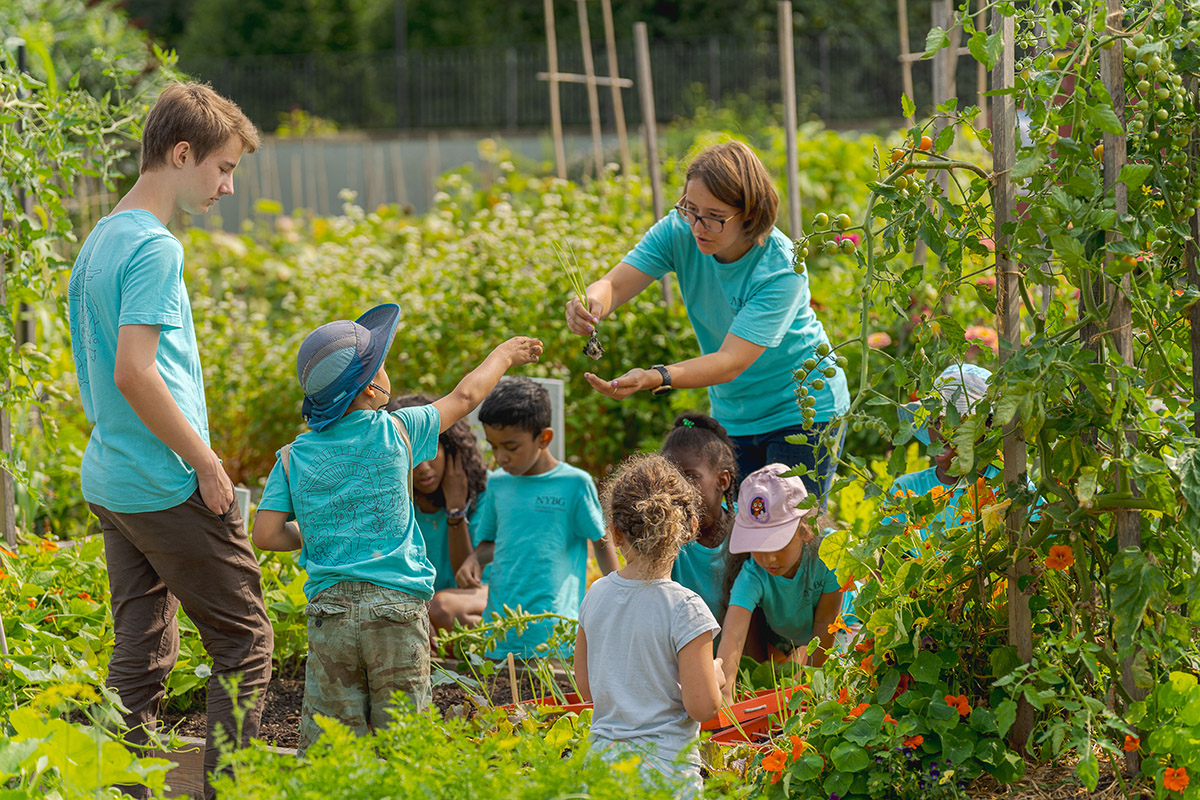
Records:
x=1008, y=322
x=650, y=125
x=589, y=71
x=1120, y=315
x=905, y=53
x=787, y=74
x=560, y=152
x=1190, y=256
x=614, y=72
x=512, y=680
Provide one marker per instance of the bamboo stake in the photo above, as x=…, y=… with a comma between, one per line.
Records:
x=787, y=74
x=610, y=44
x=589, y=70
x=512, y=680
x=1008, y=322
x=1191, y=255
x=905, y=53
x=981, y=71
x=1120, y=314
x=650, y=124
x=560, y=152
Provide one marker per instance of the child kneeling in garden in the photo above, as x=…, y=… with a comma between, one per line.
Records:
x=348, y=485
x=784, y=576
x=644, y=652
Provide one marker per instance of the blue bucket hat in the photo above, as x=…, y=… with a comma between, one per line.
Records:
x=959, y=385
x=339, y=359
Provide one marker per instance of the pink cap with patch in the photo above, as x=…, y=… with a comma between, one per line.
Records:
x=767, y=513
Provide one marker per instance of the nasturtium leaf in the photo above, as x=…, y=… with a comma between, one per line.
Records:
x=959, y=745
x=808, y=767
x=849, y=757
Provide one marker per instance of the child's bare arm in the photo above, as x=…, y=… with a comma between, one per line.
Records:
x=480, y=381
x=827, y=611
x=733, y=640
x=272, y=531
x=698, y=680
x=470, y=574
x=581, y=673
x=606, y=555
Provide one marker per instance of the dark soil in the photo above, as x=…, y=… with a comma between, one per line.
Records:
x=281, y=712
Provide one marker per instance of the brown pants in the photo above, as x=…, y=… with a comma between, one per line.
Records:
x=189, y=556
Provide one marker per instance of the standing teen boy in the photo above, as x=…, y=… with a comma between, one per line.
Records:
x=172, y=531
x=348, y=483
x=537, y=517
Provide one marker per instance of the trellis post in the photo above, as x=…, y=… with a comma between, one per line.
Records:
x=641, y=42
x=1191, y=254
x=593, y=95
x=787, y=74
x=560, y=150
x=1008, y=322
x=610, y=44
x=1120, y=314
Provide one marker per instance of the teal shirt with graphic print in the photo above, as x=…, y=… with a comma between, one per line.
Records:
x=347, y=487
x=130, y=272
x=541, y=525
x=789, y=604
x=759, y=298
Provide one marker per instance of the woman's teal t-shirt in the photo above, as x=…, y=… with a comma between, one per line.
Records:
x=435, y=532
x=759, y=298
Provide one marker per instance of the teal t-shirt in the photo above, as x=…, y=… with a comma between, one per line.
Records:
x=923, y=482
x=130, y=272
x=789, y=605
x=435, y=533
x=759, y=298
x=702, y=569
x=347, y=487
x=541, y=525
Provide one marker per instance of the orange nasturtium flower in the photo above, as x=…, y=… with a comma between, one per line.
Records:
x=914, y=741
x=839, y=624
x=888, y=718
x=960, y=702
x=8, y=552
x=843, y=697
x=84, y=596
x=31, y=601
x=859, y=709
x=1132, y=743
x=798, y=746
x=1061, y=557
x=865, y=646
x=868, y=663
x=775, y=761
x=47, y=546
x=1176, y=780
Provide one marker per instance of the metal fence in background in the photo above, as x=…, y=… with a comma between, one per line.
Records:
x=497, y=87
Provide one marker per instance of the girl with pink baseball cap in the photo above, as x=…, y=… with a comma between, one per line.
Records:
x=799, y=596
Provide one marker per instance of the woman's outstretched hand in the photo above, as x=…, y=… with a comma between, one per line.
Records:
x=582, y=320
x=619, y=388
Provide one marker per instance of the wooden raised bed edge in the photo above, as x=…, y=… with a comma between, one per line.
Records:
x=186, y=778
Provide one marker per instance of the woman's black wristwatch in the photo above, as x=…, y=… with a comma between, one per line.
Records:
x=659, y=391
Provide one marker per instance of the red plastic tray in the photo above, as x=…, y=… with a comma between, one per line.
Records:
x=763, y=704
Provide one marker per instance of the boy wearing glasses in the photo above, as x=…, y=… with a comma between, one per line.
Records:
x=341, y=494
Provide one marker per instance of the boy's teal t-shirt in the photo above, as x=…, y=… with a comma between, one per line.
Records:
x=347, y=487
x=923, y=482
x=759, y=298
x=541, y=525
x=789, y=605
x=702, y=569
x=435, y=533
x=130, y=272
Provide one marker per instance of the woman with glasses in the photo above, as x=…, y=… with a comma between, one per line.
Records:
x=748, y=306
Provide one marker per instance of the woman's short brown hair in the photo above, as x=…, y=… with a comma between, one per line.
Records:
x=193, y=113
x=735, y=176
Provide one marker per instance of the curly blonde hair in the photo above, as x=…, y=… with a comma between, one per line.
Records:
x=653, y=507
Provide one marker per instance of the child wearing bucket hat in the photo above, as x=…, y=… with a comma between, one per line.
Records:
x=347, y=484
x=799, y=596
x=956, y=402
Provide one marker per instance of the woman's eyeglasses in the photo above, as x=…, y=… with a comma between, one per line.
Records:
x=710, y=224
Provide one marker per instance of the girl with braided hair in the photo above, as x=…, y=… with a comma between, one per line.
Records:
x=644, y=652
x=702, y=451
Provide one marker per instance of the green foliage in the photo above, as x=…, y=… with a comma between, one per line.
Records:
x=488, y=756
x=1171, y=719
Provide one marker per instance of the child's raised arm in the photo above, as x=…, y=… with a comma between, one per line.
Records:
x=480, y=381
x=698, y=678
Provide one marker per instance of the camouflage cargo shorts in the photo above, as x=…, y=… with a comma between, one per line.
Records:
x=365, y=643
